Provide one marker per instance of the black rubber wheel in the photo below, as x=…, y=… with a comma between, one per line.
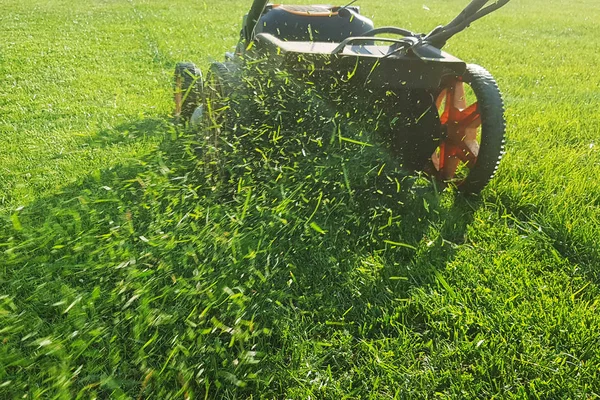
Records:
x=221, y=84
x=472, y=116
x=188, y=90
x=227, y=73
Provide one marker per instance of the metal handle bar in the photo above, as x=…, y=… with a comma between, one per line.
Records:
x=350, y=40
x=469, y=10
x=471, y=13
x=390, y=29
x=253, y=16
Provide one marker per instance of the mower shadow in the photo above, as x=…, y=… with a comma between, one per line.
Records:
x=358, y=289
x=130, y=132
x=352, y=275
x=92, y=188
x=424, y=214
x=427, y=216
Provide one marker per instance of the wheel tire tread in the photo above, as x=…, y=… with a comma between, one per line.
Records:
x=191, y=76
x=493, y=129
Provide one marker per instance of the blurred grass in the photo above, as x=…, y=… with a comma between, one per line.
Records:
x=126, y=273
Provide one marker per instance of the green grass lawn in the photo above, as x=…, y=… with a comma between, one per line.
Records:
x=128, y=271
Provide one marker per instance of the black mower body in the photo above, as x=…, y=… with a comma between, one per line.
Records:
x=395, y=83
x=312, y=23
x=327, y=41
x=336, y=49
x=361, y=64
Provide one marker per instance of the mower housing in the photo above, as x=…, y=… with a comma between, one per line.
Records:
x=312, y=23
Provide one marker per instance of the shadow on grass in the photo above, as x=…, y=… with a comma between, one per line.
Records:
x=100, y=182
x=129, y=132
x=570, y=237
x=164, y=271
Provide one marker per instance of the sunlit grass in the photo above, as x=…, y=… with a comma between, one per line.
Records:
x=138, y=261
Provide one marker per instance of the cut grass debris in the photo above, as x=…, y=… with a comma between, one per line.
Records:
x=139, y=261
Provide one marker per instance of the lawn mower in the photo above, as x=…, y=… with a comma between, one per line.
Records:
x=444, y=116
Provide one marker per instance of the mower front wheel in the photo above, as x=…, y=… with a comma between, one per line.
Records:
x=471, y=112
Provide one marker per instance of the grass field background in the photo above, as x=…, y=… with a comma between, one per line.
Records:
x=125, y=274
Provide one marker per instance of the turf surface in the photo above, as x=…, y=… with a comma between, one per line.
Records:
x=127, y=270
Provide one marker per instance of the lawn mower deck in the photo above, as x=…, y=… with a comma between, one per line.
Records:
x=398, y=65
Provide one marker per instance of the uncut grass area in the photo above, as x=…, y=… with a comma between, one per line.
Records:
x=139, y=261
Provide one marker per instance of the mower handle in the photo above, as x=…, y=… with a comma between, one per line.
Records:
x=253, y=16
x=438, y=37
x=389, y=29
x=474, y=11
x=469, y=10
x=371, y=39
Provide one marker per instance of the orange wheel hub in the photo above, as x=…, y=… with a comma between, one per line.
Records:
x=462, y=122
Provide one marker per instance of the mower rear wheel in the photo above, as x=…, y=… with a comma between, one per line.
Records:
x=188, y=90
x=472, y=116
